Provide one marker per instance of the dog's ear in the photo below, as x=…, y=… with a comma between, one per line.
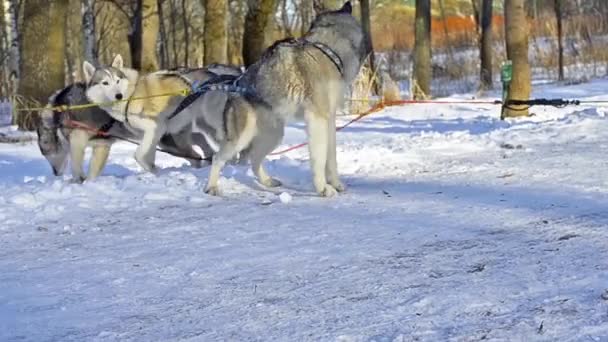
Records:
x=117, y=62
x=88, y=70
x=347, y=8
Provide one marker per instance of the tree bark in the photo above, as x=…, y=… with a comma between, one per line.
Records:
x=321, y=6
x=422, y=50
x=259, y=14
x=163, y=49
x=14, y=57
x=135, y=41
x=516, y=31
x=43, y=54
x=186, y=33
x=216, y=40
x=306, y=15
x=365, y=23
x=88, y=31
x=560, y=47
x=149, y=60
x=485, y=46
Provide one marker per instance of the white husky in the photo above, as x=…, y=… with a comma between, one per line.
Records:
x=114, y=87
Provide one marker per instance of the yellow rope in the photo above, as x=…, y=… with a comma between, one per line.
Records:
x=65, y=108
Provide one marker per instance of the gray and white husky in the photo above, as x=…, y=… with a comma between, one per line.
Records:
x=295, y=79
x=143, y=110
x=58, y=140
x=64, y=136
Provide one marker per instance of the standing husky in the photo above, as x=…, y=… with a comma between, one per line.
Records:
x=149, y=115
x=296, y=79
x=59, y=140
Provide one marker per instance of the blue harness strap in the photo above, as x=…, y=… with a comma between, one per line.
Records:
x=227, y=83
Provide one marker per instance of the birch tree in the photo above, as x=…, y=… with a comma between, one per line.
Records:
x=88, y=30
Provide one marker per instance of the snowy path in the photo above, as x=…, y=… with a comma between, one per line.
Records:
x=449, y=231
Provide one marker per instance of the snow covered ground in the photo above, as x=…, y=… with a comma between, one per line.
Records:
x=456, y=226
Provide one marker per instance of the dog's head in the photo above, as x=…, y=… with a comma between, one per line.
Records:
x=51, y=145
x=106, y=84
x=340, y=30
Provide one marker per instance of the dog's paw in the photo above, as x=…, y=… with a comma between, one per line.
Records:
x=149, y=167
x=328, y=191
x=272, y=183
x=77, y=180
x=339, y=186
x=212, y=190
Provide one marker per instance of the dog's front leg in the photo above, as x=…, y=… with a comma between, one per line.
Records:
x=317, y=127
x=78, y=144
x=146, y=151
x=101, y=151
x=331, y=169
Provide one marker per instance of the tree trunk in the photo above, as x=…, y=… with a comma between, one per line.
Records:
x=259, y=14
x=43, y=54
x=149, y=37
x=516, y=31
x=14, y=57
x=446, y=33
x=321, y=6
x=216, y=40
x=135, y=41
x=173, y=18
x=88, y=30
x=163, y=49
x=365, y=23
x=186, y=33
x=560, y=47
x=306, y=14
x=422, y=50
x=485, y=46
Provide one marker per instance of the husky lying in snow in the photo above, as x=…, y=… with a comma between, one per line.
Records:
x=302, y=79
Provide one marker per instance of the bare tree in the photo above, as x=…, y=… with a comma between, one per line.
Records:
x=216, y=41
x=516, y=30
x=557, y=5
x=485, y=44
x=422, y=50
x=88, y=30
x=258, y=16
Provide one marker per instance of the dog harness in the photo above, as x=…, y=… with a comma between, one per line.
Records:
x=331, y=54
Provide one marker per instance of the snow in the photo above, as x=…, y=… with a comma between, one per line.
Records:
x=456, y=226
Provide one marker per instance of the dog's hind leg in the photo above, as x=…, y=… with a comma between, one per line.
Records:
x=231, y=147
x=331, y=168
x=257, y=151
x=226, y=152
x=317, y=127
x=101, y=151
x=78, y=144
